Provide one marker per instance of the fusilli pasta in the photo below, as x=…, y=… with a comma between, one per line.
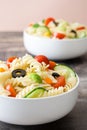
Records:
x=22, y=83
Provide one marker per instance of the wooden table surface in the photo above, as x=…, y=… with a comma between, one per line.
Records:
x=12, y=44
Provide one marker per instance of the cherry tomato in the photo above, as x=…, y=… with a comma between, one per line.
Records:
x=10, y=60
x=52, y=64
x=59, y=35
x=42, y=58
x=60, y=82
x=48, y=20
x=10, y=88
x=80, y=28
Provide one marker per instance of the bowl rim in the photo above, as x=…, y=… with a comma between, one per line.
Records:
x=54, y=39
x=44, y=98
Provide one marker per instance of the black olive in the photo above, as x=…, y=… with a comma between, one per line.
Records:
x=18, y=73
x=55, y=75
x=73, y=31
x=56, y=23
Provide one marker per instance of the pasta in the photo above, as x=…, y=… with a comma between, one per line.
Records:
x=25, y=91
x=53, y=92
x=26, y=75
x=24, y=62
x=4, y=92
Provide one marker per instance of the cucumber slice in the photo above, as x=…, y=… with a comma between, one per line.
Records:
x=62, y=26
x=41, y=30
x=36, y=25
x=68, y=73
x=65, y=70
x=36, y=93
x=82, y=34
x=35, y=77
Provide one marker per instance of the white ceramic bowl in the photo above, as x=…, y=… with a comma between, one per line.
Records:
x=38, y=110
x=53, y=48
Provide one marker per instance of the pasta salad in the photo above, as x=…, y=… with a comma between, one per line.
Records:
x=34, y=77
x=57, y=28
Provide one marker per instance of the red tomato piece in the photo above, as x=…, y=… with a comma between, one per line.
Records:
x=80, y=28
x=60, y=35
x=10, y=88
x=48, y=20
x=52, y=64
x=60, y=82
x=10, y=60
x=42, y=58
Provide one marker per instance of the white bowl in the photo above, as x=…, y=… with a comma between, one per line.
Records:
x=53, y=48
x=38, y=110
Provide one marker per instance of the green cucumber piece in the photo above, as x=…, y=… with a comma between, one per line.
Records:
x=62, y=26
x=43, y=29
x=36, y=25
x=36, y=93
x=35, y=77
x=82, y=34
x=65, y=70
x=43, y=20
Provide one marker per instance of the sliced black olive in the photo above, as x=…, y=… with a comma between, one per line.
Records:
x=56, y=23
x=18, y=73
x=55, y=75
x=73, y=31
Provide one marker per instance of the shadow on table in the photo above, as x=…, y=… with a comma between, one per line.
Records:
x=77, y=60
x=58, y=124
